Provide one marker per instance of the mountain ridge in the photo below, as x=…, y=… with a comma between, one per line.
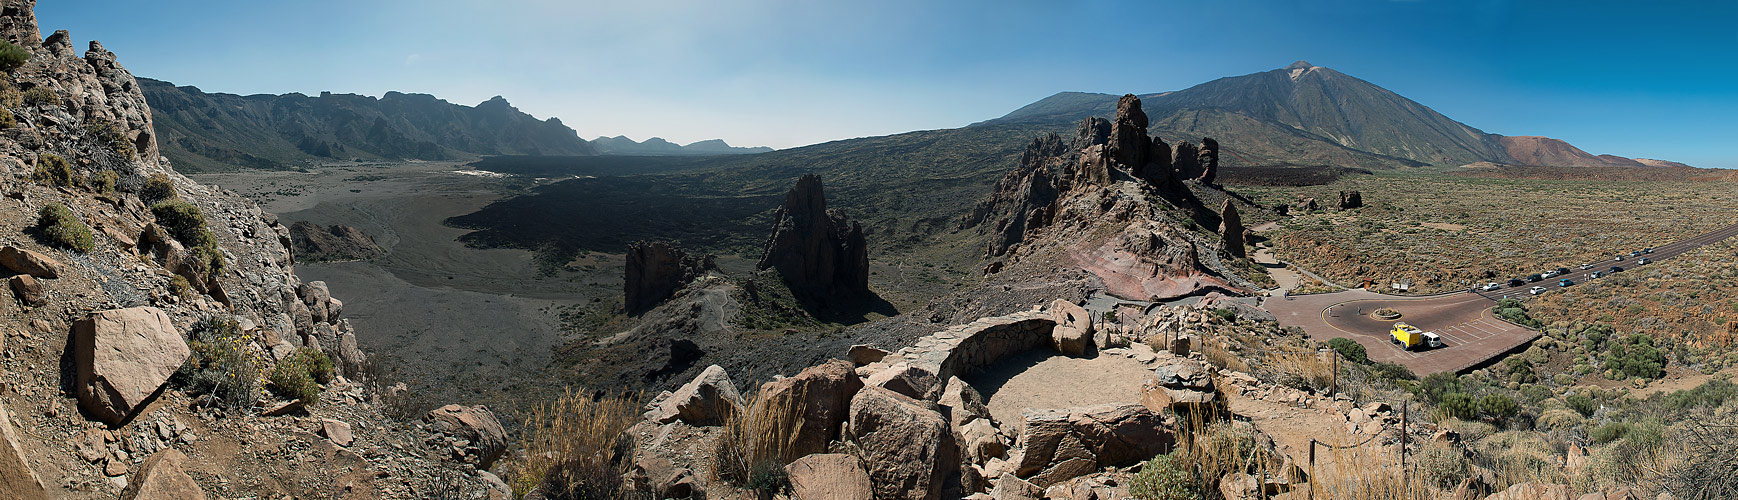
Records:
x=622, y=145
x=212, y=131
x=1300, y=107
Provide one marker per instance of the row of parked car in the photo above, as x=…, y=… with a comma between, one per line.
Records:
x=1566, y=282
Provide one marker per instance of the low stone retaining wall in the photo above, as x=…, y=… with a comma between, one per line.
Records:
x=962, y=349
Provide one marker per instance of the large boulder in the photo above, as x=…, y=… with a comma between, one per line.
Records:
x=27, y=262
x=808, y=407
x=961, y=403
x=1351, y=199
x=1186, y=160
x=122, y=357
x=1182, y=385
x=821, y=254
x=472, y=423
x=160, y=477
x=1073, y=333
x=656, y=270
x=1064, y=444
x=708, y=400
x=909, y=379
x=908, y=447
x=28, y=290
x=829, y=476
x=17, y=479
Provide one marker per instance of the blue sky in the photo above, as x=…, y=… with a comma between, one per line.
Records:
x=1640, y=79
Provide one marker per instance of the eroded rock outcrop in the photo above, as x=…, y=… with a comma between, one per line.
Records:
x=1068, y=443
x=1186, y=160
x=1129, y=144
x=16, y=476
x=813, y=404
x=909, y=448
x=313, y=243
x=1351, y=199
x=1209, y=160
x=1231, y=230
x=475, y=424
x=820, y=253
x=656, y=270
x=161, y=477
x=708, y=400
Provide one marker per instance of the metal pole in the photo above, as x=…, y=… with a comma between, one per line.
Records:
x=1312, y=478
x=1335, y=390
x=1405, y=478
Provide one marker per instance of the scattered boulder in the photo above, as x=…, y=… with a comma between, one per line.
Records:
x=27, y=262
x=1065, y=444
x=908, y=447
x=160, y=477
x=1309, y=205
x=655, y=474
x=475, y=424
x=1613, y=493
x=656, y=270
x=1010, y=487
x=820, y=253
x=1533, y=491
x=813, y=404
x=1073, y=333
x=123, y=356
x=28, y=290
x=1183, y=385
x=1350, y=200
x=337, y=431
x=17, y=479
x=909, y=379
x=708, y=400
x=862, y=355
x=1231, y=230
x=961, y=403
x=829, y=476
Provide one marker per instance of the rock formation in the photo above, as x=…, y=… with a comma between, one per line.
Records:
x=1129, y=144
x=1186, y=160
x=16, y=476
x=656, y=270
x=1231, y=230
x=1091, y=132
x=819, y=252
x=475, y=425
x=122, y=357
x=909, y=446
x=1351, y=199
x=1209, y=160
x=313, y=243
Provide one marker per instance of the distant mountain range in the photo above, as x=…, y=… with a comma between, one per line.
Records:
x=657, y=146
x=214, y=131
x=1314, y=115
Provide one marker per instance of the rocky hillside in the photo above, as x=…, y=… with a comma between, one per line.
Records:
x=622, y=145
x=158, y=342
x=1304, y=113
x=212, y=131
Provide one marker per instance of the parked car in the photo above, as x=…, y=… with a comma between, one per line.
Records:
x=1636, y=253
x=1595, y=274
x=1565, y=282
x=1536, y=290
x=1585, y=267
x=1516, y=282
x=1491, y=286
x=1562, y=271
x=1647, y=250
x=1616, y=269
x=1617, y=258
x=1643, y=261
x=1534, y=278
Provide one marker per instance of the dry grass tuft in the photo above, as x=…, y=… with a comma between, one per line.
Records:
x=757, y=443
x=578, y=447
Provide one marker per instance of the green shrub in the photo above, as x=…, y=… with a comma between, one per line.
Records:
x=1458, y=405
x=104, y=181
x=7, y=120
x=1513, y=311
x=41, y=96
x=111, y=137
x=1636, y=356
x=59, y=226
x=157, y=188
x=1436, y=385
x=12, y=56
x=1225, y=314
x=1442, y=465
x=1609, y=432
x=1350, y=349
x=1392, y=371
x=52, y=170
x=1165, y=477
x=183, y=221
x=298, y=376
x=1498, y=407
x=1711, y=394
x=179, y=286
x=222, y=365
x=1583, y=404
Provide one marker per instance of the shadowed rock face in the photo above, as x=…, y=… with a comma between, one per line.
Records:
x=1231, y=229
x=313, y=243
x=1208, y=160
x=820, y=253
x=656, y=270
x=1128, y=136
x=1350, y=200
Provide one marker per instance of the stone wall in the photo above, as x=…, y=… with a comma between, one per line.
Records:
x=960, y=350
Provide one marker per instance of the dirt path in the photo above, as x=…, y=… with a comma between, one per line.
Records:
x=1043, y=379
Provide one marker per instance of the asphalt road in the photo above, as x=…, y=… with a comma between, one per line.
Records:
x=1471, y=334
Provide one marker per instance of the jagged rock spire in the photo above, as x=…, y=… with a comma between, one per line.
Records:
x=819, y=252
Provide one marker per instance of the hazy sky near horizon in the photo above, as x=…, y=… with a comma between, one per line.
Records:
x=1639, y=79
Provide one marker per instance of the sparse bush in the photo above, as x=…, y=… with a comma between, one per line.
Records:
x=104, y=181
x=183, y=221
x=12, y=56
x=577, y=447
x=755, y=446
x=1608, y=432
x=297, y=376
x=7, y=120
x=1515, y=312
x=110, y=137
x=1711, y=394
x=1225, y=314
x=1498, y=408
x=1165, y=477
x=157, y=188
x=179, y=286
x=59, y=226
x=1442, y=466
x=222, y=365
x=1583, y=404
x=1711, y=450
x=41, y=96
x=52, y=170
x=1350, y=349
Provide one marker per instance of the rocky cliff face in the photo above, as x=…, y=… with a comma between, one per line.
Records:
x=820, y=253
x=655, y=270
x=157, y=294
x=314, y=243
